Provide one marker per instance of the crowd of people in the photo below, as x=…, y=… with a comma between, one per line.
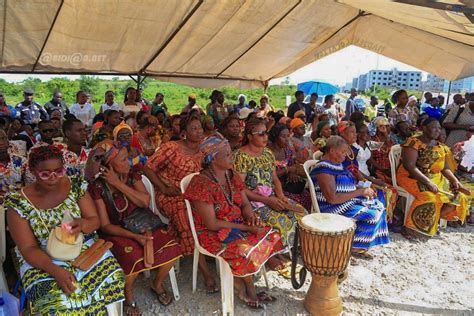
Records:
x=246, y=201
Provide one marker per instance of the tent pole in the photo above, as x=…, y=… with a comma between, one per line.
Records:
x=449, y=91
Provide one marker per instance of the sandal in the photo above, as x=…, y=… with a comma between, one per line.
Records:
x=255, y=304
x=362, y=254
x=264, y=297
x=131, y=309
x=163, y=297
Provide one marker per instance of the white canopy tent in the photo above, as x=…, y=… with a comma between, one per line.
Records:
x=242, y=43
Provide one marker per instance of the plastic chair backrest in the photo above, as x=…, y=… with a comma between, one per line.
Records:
x=308, y=165
x=151, y=190
x=394, y=158
x=184, y=186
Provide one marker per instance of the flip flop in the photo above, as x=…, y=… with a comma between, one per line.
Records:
x=131, y=309
x=163, y=297
x=363, y=255
x=255, y=304
x=264, y=297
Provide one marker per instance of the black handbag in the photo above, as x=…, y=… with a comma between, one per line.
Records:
x=141, y=220
x=295, y=187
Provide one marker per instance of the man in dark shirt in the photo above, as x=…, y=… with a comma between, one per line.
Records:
x=57, y=103
x=297, y=105
x=30, y=111
x=351, y=106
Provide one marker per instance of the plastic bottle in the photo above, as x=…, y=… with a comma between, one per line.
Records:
x=8, y=304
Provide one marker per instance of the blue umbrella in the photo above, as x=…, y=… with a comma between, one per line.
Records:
x=320, y=87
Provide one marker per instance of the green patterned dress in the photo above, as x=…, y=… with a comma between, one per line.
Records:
x=259, y=172
x=97, y=287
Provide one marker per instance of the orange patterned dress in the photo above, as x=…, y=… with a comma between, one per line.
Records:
x=171, y=164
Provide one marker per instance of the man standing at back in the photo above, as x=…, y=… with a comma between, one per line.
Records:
x=351, y=106
x=297, y=105
x=428, y=98
x=30, y=111
x=57, y=103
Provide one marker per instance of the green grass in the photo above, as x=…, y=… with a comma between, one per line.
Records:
x=176, y=96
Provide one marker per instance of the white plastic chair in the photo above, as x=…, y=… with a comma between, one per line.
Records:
x=3, y=251
x=226, y=276
x=317, y=155
x=151, y=190
x=394, y=158
x=308, y=165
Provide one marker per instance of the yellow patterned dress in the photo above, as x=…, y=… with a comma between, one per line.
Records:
x=425, y=212
x=259, y=172
x=99, y=286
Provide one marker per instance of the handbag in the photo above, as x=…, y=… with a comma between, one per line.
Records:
x=142, y=220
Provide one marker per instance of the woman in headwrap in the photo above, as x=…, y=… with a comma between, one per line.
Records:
x=301, y=143
x=226, y=224
x=117, y=194
x=289, y=171
x=112, y=119
x=123, y=134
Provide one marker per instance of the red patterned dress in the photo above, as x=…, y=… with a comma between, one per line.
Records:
x=171, y=164
x=244, y=251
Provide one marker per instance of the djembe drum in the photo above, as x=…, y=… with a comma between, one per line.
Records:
x=326, y=242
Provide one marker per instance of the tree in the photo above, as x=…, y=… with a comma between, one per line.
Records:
x=90, y=84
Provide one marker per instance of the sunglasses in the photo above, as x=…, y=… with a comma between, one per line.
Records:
x=48, y=130
x=48, y=175
x=261, y=133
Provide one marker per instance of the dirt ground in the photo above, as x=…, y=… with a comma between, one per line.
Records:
x=433, y=277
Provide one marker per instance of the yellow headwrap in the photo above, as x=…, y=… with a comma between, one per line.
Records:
x=120, y=127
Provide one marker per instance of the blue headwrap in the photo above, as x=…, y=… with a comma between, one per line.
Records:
x=211, y=146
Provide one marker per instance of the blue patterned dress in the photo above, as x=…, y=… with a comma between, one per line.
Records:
x=369, y=215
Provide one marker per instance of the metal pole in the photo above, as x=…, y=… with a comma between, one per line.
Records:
x=449, y=91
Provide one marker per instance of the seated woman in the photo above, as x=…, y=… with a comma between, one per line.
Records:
x=117, y=194
x=54, y=286
x=145, y=140
x=322, y=133
x=231, y=131
x=385, y=192
x=123, y=134
x=166, y=168
x=337, y=192
x=424, y=173
x=226, y=224
x=256, y=165
x=382, y=143
x=290, y=173
x=112, y=118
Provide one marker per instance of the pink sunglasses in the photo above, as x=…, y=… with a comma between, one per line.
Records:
x=47, y=175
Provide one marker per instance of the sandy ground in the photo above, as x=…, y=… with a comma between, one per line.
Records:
x=433, y=277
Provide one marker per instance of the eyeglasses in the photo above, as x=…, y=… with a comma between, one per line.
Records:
x=47, y=175
x=261, y=133
x=48, y=130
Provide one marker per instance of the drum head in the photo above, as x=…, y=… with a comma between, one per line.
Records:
x=326, y=223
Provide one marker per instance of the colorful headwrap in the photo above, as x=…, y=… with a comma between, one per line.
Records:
x=296, y=122
x=210, y=146
x=341, y=127
x=111, y=149
x=320, y=127
x=120, y=127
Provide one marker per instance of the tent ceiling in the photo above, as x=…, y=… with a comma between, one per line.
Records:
x=228, y=42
